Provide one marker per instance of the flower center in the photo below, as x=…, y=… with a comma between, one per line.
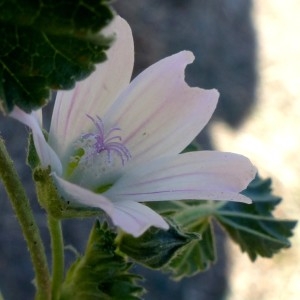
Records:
x=95, y=143
x=97, y=150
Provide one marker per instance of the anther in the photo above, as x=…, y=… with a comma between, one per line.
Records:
x=99, y=141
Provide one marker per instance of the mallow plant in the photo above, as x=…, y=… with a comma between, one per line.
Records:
x=118, y=150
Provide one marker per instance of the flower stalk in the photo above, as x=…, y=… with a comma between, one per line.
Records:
x=22, y=209
x=57, y=247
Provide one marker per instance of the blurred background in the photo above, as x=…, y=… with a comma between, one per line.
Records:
x=248, y=50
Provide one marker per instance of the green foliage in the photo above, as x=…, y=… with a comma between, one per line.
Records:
x=101, y=273
x=188, y=247
x=176, y=251
x=254, y=227
x=196, y=256
x=48, y=45
x=155, y=247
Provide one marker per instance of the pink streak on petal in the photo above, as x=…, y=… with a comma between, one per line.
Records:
x=159, y=113
x=95, y=94
x=203, y=175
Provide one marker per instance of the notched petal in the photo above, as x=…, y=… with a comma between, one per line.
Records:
x=159, y=113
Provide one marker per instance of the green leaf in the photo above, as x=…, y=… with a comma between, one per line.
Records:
x=253, y=226
x=189, y=247
x=194, y=257
x=101, y=273
x=175, y=251
x=155, y=247
x=48, y=45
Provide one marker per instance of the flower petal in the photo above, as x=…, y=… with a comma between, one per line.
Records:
x=136, y=218
x=132, y=217
x=46, y=154
x=96, y=93
x=159, y=114
x=207, y=175
x=77, y=194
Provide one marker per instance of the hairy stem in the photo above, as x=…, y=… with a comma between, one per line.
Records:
x=57, y=246
x=24, y=214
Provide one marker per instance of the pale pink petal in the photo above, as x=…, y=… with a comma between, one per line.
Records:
x=77, y=194
x=96, y=93
x=46, y=154
x=131, y=217
x=159, y=114
x=39, y=116
x=207, y=175
x=136, y=218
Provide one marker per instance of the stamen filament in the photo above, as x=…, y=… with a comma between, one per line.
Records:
x=95, y=143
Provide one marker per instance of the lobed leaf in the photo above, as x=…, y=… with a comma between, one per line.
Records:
x=253, y=226
x=194, y=257
x=48, y=45
x=155, y=247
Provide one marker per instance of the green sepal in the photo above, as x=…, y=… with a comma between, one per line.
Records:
x=155, y=247
x=253, y=227
x=32, y=159
x=51, y=200
x=48, y=195
x=101, y=273
x=47, y=45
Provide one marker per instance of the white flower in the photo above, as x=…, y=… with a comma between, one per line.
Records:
x=113, y=144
